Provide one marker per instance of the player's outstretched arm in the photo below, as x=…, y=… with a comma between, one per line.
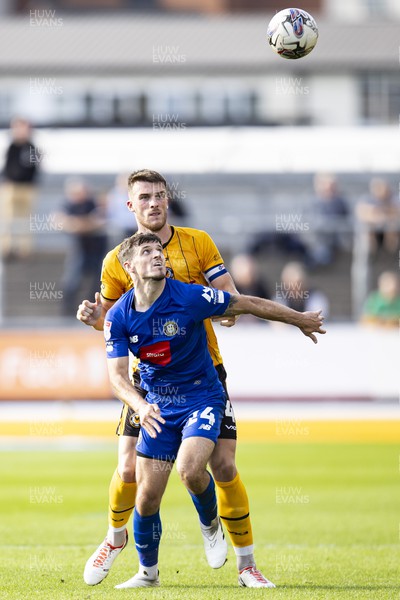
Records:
x=150, y=417
x=308, y=322
x=93, y=313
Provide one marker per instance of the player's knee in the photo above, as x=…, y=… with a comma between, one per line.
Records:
x=126, y=470
x=191, y=475
x=223, y=469
x=127, y=458
x=222, y=461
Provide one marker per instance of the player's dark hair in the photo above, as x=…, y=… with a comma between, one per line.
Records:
x=129, y=245
x=146, y=175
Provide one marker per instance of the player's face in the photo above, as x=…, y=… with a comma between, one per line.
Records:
x=149, y=202
x=149, y=262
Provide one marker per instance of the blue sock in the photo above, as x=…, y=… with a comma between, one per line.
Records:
x=147, y=532
x=206, y=503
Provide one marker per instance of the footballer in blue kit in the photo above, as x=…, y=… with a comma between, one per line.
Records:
x=161, y=322
x=176, y=368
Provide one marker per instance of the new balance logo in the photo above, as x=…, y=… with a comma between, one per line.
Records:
x=206, y=427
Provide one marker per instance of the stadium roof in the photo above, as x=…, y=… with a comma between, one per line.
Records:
x=48, y=41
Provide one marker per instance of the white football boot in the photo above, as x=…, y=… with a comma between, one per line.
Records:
x=99, y=564
x=215, y=544
x=252, y=577
x=141, y=579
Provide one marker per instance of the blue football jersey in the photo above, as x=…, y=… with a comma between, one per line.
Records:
x=169, y=338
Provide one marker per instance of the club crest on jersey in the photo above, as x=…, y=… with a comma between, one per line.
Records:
x=169, y=273
x=134, y=420
x=170, y=328
x=107, y=330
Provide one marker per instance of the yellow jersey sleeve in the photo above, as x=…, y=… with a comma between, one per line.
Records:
x=115, y=281
x=212, y=264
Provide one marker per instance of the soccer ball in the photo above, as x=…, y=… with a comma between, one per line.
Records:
x=292, y=33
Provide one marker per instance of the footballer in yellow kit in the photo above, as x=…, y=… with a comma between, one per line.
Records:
x=191, y=257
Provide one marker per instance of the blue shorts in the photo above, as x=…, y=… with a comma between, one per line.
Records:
x=193, y=415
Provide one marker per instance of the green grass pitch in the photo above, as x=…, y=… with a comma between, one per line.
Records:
x=325, y=520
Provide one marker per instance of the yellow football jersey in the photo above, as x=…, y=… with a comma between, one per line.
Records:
x=190, y=255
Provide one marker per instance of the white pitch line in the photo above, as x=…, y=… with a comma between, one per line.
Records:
x=105, y=411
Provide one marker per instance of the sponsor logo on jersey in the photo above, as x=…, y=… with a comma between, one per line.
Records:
x=158, y=353
x=133, y=339
x=212, y=295
x=107, y=330
x=170, y=328
x=207, y=294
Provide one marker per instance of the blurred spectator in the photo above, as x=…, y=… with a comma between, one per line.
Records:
x=282, y=242
x=246, y=275
x=294, y=291
x=329, y=212
x=382, y=307
x=245, y=272
x=18, y=190
x=120, y=224
x=84, y=221
x=380, y=210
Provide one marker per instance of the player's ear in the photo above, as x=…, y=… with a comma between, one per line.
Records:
x=130, y=206
x=129, y=267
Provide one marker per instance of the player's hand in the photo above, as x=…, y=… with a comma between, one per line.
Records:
x=226, y=321
x=150, y=418
x=311, y=323
x=90, y=312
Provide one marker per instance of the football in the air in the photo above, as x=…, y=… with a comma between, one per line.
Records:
x=292, y=33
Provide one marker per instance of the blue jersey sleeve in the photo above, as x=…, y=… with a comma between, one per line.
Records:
x=115, y=335
x=206, y=302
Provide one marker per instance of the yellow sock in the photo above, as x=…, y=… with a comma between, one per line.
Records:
x=233, y=508
x=121, y=500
